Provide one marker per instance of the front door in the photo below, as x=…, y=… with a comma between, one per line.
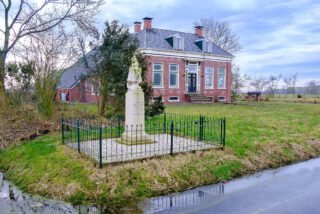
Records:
x=192, y=83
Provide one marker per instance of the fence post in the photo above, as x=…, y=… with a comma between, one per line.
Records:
x=78, y=134
x=62, y=129
x=171, y=137
x=221, y=131
x=165, y=123
x=201, y=128
x=100, y=146
x=119, y=131
x=224, y=131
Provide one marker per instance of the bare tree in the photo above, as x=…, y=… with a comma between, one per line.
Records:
x=239, y=80
x=313, y=87
x=290, y=83
x=259, y=83
x=273, y=84
x=49, y=52
x=92, y=61
x=24, y=18
x=220, y=33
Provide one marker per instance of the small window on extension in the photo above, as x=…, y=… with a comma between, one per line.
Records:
x=221, y=98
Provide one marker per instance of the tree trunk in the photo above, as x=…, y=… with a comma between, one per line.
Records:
x=103, y=105
x=3, y=96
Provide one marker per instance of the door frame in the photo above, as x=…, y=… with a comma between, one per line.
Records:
x=191, y=77
x=196, y=72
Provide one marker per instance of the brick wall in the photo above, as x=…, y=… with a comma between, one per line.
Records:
x=78, y=93
x=215, y=92
x=167, y=92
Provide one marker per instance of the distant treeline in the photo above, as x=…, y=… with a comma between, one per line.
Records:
x=312, y=89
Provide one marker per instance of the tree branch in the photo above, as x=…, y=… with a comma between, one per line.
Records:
x=17, y=15
x=4, y=5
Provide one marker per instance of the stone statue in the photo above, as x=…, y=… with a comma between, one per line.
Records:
x=134, y=76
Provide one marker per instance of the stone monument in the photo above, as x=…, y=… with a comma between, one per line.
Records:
x=134, y=109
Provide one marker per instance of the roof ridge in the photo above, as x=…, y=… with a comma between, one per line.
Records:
x=177, y=31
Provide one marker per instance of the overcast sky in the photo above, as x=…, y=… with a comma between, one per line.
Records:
x=278, y=37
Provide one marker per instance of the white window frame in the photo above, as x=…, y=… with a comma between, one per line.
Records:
x=195, y=64
x=63, y=96
x=208, y=47
x=178, y=43
x=205, y=78
x=197, y=70
x=225, y=78
x=153, y=71
x=92, y=89
x=177, y=73
x=221, y=100
x=173, y=101
x=86, y=85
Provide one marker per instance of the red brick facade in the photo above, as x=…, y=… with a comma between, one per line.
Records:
x=78, y=93
x=182, y=91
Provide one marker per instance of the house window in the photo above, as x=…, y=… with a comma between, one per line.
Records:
x=174, y=76
x=177, y=43
x=221, y=78
x=157, y=75
x=85, y=85
x=174, y=99
x=157, y=99
x=98, y=88
x=192, y=67
x=63, y=96
x=209, y=78
x=221, y=99
x=92, y=89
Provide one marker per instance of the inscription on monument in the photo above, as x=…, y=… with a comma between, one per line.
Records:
x=138, y=108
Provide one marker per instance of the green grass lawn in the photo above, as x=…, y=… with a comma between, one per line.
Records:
x=263, y=123
x=259, y=136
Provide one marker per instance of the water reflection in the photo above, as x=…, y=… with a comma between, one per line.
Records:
x=182, y=200
x=216, y=194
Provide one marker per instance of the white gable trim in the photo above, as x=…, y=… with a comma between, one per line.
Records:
x=184, y=55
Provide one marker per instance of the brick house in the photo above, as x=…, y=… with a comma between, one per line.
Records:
x=182, y=67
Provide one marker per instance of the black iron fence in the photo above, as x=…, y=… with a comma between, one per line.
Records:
x=166, y=134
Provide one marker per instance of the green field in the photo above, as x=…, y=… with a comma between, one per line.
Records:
x=294, y=98
x=259, y=136
x=248, y=124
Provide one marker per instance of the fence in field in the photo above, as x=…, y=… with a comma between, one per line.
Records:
x=168, y=134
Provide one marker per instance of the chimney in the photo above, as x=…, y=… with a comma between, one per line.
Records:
x=198, y=30
x=147, y=23
x=137, y=27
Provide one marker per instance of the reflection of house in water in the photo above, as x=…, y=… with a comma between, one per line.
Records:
x=182, y=200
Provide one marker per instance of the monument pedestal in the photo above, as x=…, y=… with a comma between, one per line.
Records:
x=135, y=118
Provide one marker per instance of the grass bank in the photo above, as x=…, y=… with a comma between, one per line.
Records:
x=259, y=136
